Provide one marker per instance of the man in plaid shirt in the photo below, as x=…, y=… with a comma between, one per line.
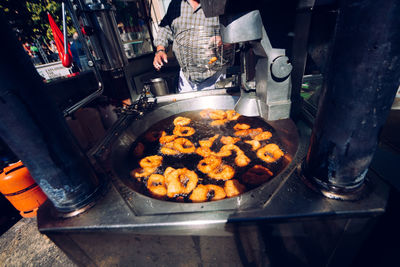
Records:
x=181, y=16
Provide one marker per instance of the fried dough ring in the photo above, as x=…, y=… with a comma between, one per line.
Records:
x=222, y=172
x=166, y=138
x=205, y=114
x=242, y=160
x=218, y=122
x=183, y=145
x=257, y=175
x=230, y=147
x=181, y=121
x=232, y=115
x=209, y=142
x=241, y=126
x=199, y=194
x=168, y=151
x=227, y=140
x=181, y=181
x=225, y=150
x=174, y=188
x=215, y=192
x=251, y=132
x=138, y=151
x=152, y=136
x=207, y=192
x=270, y=153
x=208, y=164
x=167, y=172
x=184, y=131
x=151, y=161
x=204, y=151
x=222, y=153
x=142, y=172
x=217, y=114
x=233, y=188
x=254, y=144
x=156, y=185
x=263, y=136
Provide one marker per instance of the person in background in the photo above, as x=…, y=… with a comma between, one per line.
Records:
x=27, y=48
x=53, y=51
x=76, y=50
x=182, y=15
x=35, y=58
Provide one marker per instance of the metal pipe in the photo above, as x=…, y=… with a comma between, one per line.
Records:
x=64, y=20
x=37, y=133
x=361, y=83
x=95, y=68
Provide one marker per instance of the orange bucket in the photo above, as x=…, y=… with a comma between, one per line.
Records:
x=17, y=185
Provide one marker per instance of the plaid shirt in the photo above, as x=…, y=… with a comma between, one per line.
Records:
x=180, y=17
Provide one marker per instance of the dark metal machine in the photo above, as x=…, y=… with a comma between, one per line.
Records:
x=286, y=221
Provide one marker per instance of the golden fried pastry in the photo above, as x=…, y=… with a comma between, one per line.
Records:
x=263, y=136
x=218, y=122
x=217, y=114
x=242, y=160
x=188, y=180
x=254, y=144
x=222, y=172
x=184, y=145
x=233, y=188
x=142, y=172
x=181, y=121
x=168, y=171
x=207, y=192
x=174, y=187
x=204, y=151
x=231, y=147
x=250, y=132
x=270, y=153
x=151, y=161
x=199, y=194
x=209, y=163
x=241, y=126
x=215, y=192
x=184, y=131
x=225, y=150
x=208, y=142
x=227, y=140
x=156, y=185
x=232, y=115
x=169, y=150
x=166, y=138
x=257, y=175
x=205, y=114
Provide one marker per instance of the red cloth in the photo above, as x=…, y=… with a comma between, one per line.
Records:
x=58, y=38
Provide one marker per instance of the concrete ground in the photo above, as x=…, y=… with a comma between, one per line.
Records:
x=23, y=245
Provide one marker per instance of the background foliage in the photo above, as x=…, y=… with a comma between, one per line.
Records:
x=29, y=18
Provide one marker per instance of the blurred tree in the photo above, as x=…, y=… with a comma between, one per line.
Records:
x=29, y=18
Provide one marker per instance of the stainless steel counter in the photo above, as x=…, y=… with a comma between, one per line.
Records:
x=289, y=218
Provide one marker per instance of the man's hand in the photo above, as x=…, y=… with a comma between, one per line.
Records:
x=159, y=58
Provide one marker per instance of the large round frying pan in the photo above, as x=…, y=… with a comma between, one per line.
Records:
x=119, y=160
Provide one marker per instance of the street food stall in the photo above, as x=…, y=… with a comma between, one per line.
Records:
x=232, y=176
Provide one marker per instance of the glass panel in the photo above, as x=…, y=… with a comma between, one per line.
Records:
x=134, y=31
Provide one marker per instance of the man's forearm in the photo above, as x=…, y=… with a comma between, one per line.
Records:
x=164, y=37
